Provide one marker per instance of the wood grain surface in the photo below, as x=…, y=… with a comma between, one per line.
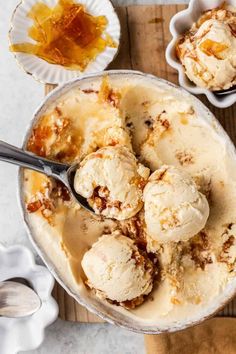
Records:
x=145, y=35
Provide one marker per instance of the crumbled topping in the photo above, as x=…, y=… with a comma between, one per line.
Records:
x=229, y=240
x=34, y=206
x=227, y=244
x=48, y=198
x=163, y=120
x=169, y=220
x=40, y=202
x=199, y=250
x=99, y=198
x=37, y=141
x=204, y=184
x=88, y=91
x=139, y=259
x=185, y=158
x=135, y=229
x=108, y=95
x=58, y=111
x=130, y=304
x=170, y=263
x=60, y=191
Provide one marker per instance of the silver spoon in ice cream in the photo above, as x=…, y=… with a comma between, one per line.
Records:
x=63, y=172
x=17, y=300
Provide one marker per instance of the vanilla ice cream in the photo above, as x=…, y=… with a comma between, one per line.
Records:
x=112, y=180
x=117, y=270
x=163, y=126
x=208, y=51
x=174, y=208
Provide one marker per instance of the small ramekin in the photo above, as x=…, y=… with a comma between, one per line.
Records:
x=20, y=334
x=179, y=24
x=45, y=72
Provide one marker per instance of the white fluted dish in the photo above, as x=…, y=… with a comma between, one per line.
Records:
x=45, y=72
x=20, y=334
x=181, y=23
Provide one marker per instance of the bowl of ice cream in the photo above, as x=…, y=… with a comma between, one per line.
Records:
x=159, y=171
x=203, y=50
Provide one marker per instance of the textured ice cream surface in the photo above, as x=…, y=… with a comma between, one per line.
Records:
x=208, y=50
x=174, y=208
x=164, y=125
x=116, y=269
x=61, y=134
x=112, y=180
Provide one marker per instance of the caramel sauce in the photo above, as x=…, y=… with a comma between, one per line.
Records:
x=210, y=47
x=54, y=137
x=65, y=35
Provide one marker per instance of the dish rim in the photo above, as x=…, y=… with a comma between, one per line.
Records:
x=57, y=92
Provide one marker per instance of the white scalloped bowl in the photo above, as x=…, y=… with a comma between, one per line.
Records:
x=18, y=334
x=45, y=72
x=179, y=24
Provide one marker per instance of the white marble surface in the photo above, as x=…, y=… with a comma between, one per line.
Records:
x=19, y=97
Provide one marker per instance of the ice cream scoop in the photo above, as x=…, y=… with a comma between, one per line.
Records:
x=117, y=270
x=208, y=54
x=112, y=180
x=174, y=208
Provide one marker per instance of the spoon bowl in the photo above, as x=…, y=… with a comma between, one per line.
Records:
x=63, y=172
x=17, y=300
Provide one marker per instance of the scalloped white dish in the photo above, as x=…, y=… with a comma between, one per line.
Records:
x=181, y=23
x=18, y=261
x=45, y=72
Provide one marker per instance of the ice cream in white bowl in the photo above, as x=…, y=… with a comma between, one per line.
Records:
x=203, y=49
x=161, y=124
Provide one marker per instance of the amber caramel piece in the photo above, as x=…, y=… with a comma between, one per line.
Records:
x=210, y=47
x=65, y=35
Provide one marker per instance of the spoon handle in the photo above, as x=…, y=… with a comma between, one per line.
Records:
x=16, y=156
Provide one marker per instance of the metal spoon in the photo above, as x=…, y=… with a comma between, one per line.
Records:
x=17, y=300
x=63, y=172
x=225, y=92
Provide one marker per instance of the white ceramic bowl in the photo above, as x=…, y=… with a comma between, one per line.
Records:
x=179, y=24
x=26, y=333
x=45, y=72
x=55, y=265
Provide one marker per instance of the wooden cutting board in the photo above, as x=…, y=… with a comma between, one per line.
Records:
x=145, y=35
